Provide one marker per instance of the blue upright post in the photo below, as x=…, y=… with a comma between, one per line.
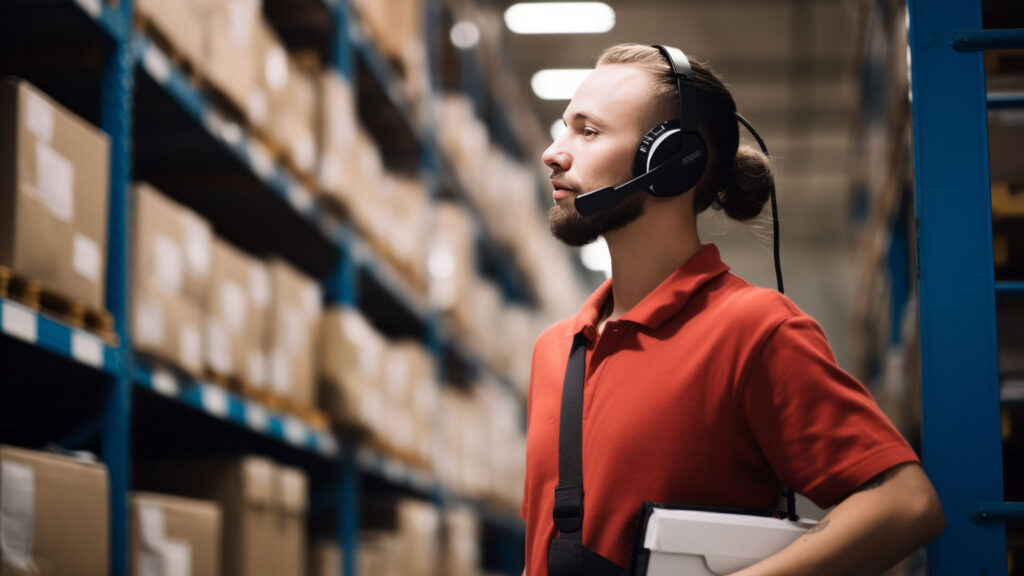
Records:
x=961, y=425
x=115, y=120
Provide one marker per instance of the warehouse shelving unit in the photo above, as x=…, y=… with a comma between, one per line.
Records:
x=161, y=127
x=962, y=448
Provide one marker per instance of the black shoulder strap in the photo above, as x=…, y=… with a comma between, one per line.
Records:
x=565, y=555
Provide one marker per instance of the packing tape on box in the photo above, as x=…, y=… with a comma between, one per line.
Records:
x=55, y=182
x=39, y=117
x=168, y=265
x=233, y=305
x=259, y=285
x=149, y=322
x=86, y=257
x=197, y=245
x=17, y=515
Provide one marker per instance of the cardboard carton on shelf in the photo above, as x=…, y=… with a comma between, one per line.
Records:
x=336, y=137
x=179, y=535
x=416, y=526
x=178, y=23
x=237, y=305
x=292, y=334
x=56, y=514
x=229, y=34
x=325, y=558
x=54, y=174
x=351, y=368
x=462, y=544
x=262, y=532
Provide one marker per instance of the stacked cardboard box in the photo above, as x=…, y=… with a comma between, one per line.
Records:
x=54, y=172
x=263, y=508
x=238, y=299
x=378, y=553
x=460, y=555
x=56, y=515
x=179, y=23
x=451, y=260
x=325, y=558
x=174, y=535
x=410, y=390
x=230, y=36
x=336, y=138
x=170, y=275
x=352, y=369
x=415, y=528
x=292, y=336
x=406, y=238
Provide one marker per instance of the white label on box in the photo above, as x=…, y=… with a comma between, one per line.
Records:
x=87, y=348
x=157, y=64
x=190, y=347
x=256, y=417
x=86, y=257
x=275, y=68
x=231, y=132
x=259, y=285
x=311, y=300
x=91, y=7
x=256, y=369
x=20, y=322
x=55, y=182
x=197, y=245
x=280, y=373
x=257, y=106
x=294, y=431
x=259, y=158
x=233, y=304
x=153, y=525
x=168, y=265
x=39, y=117
x=330, y=172
x=165, y=383
x=293, y=328
x=177, y=555
x=354, y=327
x=151, y=563
x=17, y=514
x=300, y=198
x=215, y=400
x=218, y=347
x=149, y=322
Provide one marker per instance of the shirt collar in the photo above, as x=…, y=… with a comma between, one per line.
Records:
x=662, y=303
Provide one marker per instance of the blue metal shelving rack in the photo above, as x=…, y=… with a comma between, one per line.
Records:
x=960, y=373
x=129, y=58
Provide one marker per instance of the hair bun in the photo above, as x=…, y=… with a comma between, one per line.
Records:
x=749, y=184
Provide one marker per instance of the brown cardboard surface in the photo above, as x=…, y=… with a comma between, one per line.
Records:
x=169, y=328
x=66, y=504
x=325, y=558
x=235, y=320
x=53, y=190
x=462, y=544
x=351, y=366
x=229, y=34
x=169, y=529
x=243, y=487
x=293, y=333
x=180, y=22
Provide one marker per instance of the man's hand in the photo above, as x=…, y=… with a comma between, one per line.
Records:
x=881, y=523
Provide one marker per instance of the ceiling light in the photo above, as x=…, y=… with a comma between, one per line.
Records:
x=465, y=34
x=560, y=18
x=558, y=84
x=557, y=129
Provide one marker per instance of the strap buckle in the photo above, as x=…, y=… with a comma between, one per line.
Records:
x=568, y=511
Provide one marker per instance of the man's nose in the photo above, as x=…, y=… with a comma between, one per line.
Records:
x=556, y=157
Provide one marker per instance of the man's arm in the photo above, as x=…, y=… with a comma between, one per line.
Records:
x=874, y=528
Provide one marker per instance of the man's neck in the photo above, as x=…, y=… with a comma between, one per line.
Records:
x=645, y=253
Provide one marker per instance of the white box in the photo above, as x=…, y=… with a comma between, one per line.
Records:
x=697, y=543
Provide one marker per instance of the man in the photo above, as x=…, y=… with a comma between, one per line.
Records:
x=701, y=389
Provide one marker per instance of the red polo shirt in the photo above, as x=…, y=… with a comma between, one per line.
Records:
x=710, y=391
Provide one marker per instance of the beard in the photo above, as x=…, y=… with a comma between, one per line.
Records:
x=577, y=230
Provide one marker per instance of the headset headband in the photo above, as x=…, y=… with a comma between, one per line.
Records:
x=681, y=71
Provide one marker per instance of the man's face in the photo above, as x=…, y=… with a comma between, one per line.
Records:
x=605, y=121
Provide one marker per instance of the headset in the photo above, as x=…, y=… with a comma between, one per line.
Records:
x=672, y=156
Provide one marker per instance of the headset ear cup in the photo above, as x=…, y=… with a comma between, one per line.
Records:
x=694, y=163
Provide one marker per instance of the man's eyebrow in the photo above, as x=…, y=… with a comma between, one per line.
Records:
x=583, y=116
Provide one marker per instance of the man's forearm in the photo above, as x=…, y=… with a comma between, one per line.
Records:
x=873, y=529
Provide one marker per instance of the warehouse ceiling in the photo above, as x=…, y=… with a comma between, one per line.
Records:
x=787, y=62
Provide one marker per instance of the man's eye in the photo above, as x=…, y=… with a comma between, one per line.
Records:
x=588, y=132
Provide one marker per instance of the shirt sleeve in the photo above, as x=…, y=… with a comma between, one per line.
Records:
x=819, y=428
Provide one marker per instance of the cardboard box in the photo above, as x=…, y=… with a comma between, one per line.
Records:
x=263, y=528
x=174, y=535
x=168, y=328
x=352, y=368
x=56, y=515
x=293, y=333
x=179, y=22
x=237, y=306
x=54, y=175
x=378, y=553
x=336, y=135
x=416, y=526
x=325, y=558
x=460, y=554
x=452, y=255
x=229, y=63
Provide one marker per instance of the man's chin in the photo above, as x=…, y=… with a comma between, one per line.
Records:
x=576, y=230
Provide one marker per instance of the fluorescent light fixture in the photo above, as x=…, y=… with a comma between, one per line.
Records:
x=557, y=129
x=558, y=83
x=595, y=257
x=560, y=18
x=465, y=34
